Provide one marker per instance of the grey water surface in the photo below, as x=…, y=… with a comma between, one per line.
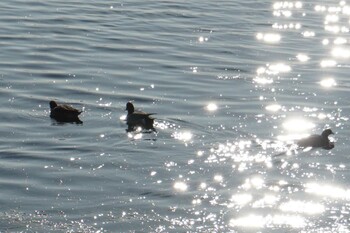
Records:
x=233, y=83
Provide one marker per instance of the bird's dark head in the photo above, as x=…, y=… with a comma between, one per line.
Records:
x=53, y=104
x=130, y=108
x=327, y=132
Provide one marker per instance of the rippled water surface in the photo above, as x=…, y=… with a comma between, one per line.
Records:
x=234, y=85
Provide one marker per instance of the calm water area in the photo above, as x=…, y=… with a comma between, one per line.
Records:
x=233, y=84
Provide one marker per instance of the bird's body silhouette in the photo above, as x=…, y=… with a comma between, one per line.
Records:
x=318, y=140
x=64, y=113
x=138, y=118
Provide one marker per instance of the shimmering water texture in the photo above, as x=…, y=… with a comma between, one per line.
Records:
x=234, y=85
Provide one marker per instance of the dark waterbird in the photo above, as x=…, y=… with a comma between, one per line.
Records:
x=138, y=118
x=318, y=140
x=64, y=113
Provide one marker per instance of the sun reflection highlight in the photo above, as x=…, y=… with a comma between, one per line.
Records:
x=327, y=191
x=302, y=207
x=269, y=37
x=241, y=199
x=325, y=41
x=259, y=221
x=320, y=8
x=136, y=136
x=218, y=178
x=336, y=29
x=183, y=136
x=328, y=63
x=331, y=18
x=308, y=34
x=280, y=68
x=202, y=39
x=340, y=52
x=211, y=107
x=122, y=118
x=180, y=186
x=296, y=26
x=255, y=182
x=297, y=129
x=263, y=80
x=264, y=73
x=339, y=41
x=273, y=107
x=328, y=82
x=303, y=57
x=267, y=201
x=298, y=125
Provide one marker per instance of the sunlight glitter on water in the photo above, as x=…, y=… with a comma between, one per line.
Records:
x=263, y=80
x=326, y=190
x=328, y=82
x=296, y=129
x=238, y=153
x=269, y=221
x=273, y=107
x=268, y=200
x=340, y=41
x=218, y=178
x=287, y=5
x=280, y=68
x=256, y=182
x=296, y=26
x=331, y=18
x=241, y=199
x=269, y=37
x=298, y=125
x=309, y=208
x=183, y=136
x=308, y=34
x=136, y=136
x=180, y=186
x=211, y=107
x=202, y=39
x=303, y=57
x=328, y=63
x=264, y=73
x=122, y=118
x=340, y=52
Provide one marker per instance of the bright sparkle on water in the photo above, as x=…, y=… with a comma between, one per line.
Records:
x=296, y=129
x=259, y=221
x=241, y=199
x=180, y=186
x=302, y=207
x=183, y=136
x=328, y=63
x=340, y=52
x=279, y=68
x=265, y=74
x=298, y=125
x=122, y=118
x=328, y=82
x=308, y=34
x=211, y=107
x=202, y=39
x=273, y=107
x=269, y=37
x=218, y=178
x=303, y=57
x=340, y=41
x=327, y=190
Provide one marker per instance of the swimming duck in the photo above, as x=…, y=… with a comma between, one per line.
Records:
x=318, y=140
x=64, y=113
x=138, y=118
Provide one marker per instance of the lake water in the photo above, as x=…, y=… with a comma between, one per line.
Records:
x=233, y=83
